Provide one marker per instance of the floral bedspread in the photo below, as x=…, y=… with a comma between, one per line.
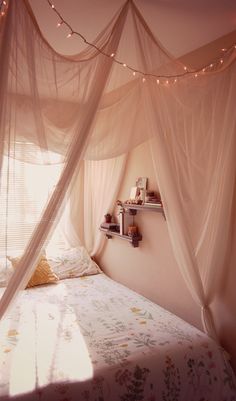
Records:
x=92, y=339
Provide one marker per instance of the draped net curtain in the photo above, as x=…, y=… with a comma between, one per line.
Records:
x=93, y=193
x=89, y=107
x=40, y=84
x=200, y=171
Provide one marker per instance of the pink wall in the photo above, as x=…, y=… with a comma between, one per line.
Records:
x=151, y=268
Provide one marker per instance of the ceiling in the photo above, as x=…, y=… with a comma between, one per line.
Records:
x=180, y=25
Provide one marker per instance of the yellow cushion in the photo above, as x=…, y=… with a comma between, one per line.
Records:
x=43, y=273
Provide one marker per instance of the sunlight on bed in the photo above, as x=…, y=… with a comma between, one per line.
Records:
x=23, y=367
x=128, y=343
x=50, y=347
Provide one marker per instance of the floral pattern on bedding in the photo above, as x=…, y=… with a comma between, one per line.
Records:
x=92, y=339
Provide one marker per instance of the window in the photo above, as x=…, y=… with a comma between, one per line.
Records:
x=25, y=189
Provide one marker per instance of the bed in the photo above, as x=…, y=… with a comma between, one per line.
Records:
x=92, y=339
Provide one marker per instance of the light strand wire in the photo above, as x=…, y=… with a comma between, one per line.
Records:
x=218, y=61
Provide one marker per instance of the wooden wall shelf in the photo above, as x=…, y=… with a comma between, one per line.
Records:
x=132, y=208
x=134, y=241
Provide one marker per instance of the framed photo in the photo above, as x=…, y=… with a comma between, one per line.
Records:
x=141, y=182
x=134, y=192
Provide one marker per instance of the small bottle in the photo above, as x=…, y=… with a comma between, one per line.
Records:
x=121, y=222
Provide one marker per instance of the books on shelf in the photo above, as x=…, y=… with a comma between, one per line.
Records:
x=153, y=198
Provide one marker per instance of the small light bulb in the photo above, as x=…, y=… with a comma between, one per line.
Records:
x=4, y=3
x=134, y=73
x=112, y=54
x=211, y=65
x=185, y=68
x=59, y=24
x=158, y=81
x=221, y=61
x=167, y=82
x=204, y=69
x=52, y=6
x=224, y=49
x=124, y=65
x=144, y=79
x=175, y=80
x=69, y=35
x=196, y=75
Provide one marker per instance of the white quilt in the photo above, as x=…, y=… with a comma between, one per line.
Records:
x=92, y=339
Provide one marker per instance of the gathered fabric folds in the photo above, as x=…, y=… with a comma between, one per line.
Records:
x=87, y=111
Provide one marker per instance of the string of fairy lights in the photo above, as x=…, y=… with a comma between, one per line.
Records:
x=166, y=79
x=3, y=8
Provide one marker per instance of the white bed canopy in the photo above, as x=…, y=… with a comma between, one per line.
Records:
x=89, y=110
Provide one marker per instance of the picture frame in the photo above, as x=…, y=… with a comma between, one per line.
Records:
x=134, y=192
x=141, y=182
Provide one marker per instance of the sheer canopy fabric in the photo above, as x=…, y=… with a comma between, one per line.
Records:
x=90, y=107
x=93, y=193
x=51, y=76
x=196, y=176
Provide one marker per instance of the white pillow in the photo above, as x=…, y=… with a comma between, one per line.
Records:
x=6, y=271
x=74, y=262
